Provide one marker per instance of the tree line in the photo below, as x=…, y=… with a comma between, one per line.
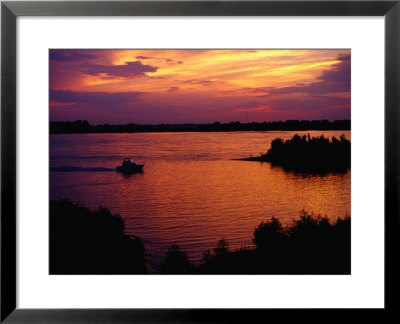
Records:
x=83, y=126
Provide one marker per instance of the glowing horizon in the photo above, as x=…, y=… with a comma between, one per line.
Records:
x=199, y=86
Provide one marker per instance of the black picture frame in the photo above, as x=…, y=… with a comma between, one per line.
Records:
x=10, y=10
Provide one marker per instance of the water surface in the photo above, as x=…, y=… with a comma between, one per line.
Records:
x=192, y=192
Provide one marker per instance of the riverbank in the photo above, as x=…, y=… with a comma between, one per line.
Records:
x=311, y=245
x=93, y=242
x=83, y=241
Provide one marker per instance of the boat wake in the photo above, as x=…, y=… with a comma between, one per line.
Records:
x=79, y=169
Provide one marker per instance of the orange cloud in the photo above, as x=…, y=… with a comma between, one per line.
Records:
x=180, y=80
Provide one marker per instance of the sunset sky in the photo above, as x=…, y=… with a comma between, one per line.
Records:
x=198, y=86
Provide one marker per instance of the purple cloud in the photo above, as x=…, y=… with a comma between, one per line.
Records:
x=94, y=98
x=336, y=79
x=127, y=70
x=167, y=60
x=308, y=104
x=141, y=57
x=70, y=56
x=340, y=71
x=201, y=82
x=173, y=89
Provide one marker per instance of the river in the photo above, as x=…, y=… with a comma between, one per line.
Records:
x=191, y=191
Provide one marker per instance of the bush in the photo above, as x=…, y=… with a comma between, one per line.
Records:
x=270, y=235
x=221, y=248
x=176, y=261
x=315, y=245
x=91, y=242
x=310, y=245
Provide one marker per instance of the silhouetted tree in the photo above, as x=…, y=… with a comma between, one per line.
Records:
x=311, y=245
x=207, y=256
x=222, y=247
x=270, y=235
x=306, y=154
x=91, y=242
x=176, y=261
x=58, y=127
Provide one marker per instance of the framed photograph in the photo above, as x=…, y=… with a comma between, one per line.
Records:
x=191, y=161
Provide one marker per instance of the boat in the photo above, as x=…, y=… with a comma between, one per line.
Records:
x=129, y=167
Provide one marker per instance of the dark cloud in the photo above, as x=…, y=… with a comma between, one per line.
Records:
x=306, y=104
x=173, y=89
x=127, y=70
x=335, y=79
x=340, y=71
x=250, y=104
x=70, y=56
x=167, y=60
x=94, y=98
x=141, y=57
x=260, y=92
x=202, y=82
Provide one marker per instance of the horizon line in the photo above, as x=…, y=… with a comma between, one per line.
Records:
x=207, y=123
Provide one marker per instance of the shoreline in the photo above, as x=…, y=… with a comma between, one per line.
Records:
x=311, y=244
x=197, y=131
x=83, y=127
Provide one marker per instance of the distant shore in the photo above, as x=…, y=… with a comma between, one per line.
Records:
x=83, y=126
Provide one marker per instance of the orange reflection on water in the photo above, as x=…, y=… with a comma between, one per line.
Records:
x=191, y=192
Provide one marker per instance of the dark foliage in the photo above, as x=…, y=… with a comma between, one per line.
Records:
x=305, y=154
x=270, y=236
x=318, y=244
x=312, y=245
x=57, y=127
x=222, y=247
x=176, y=261
x=78, y=126
x=91, y=242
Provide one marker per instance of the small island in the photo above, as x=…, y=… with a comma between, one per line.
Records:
x=306, y=154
